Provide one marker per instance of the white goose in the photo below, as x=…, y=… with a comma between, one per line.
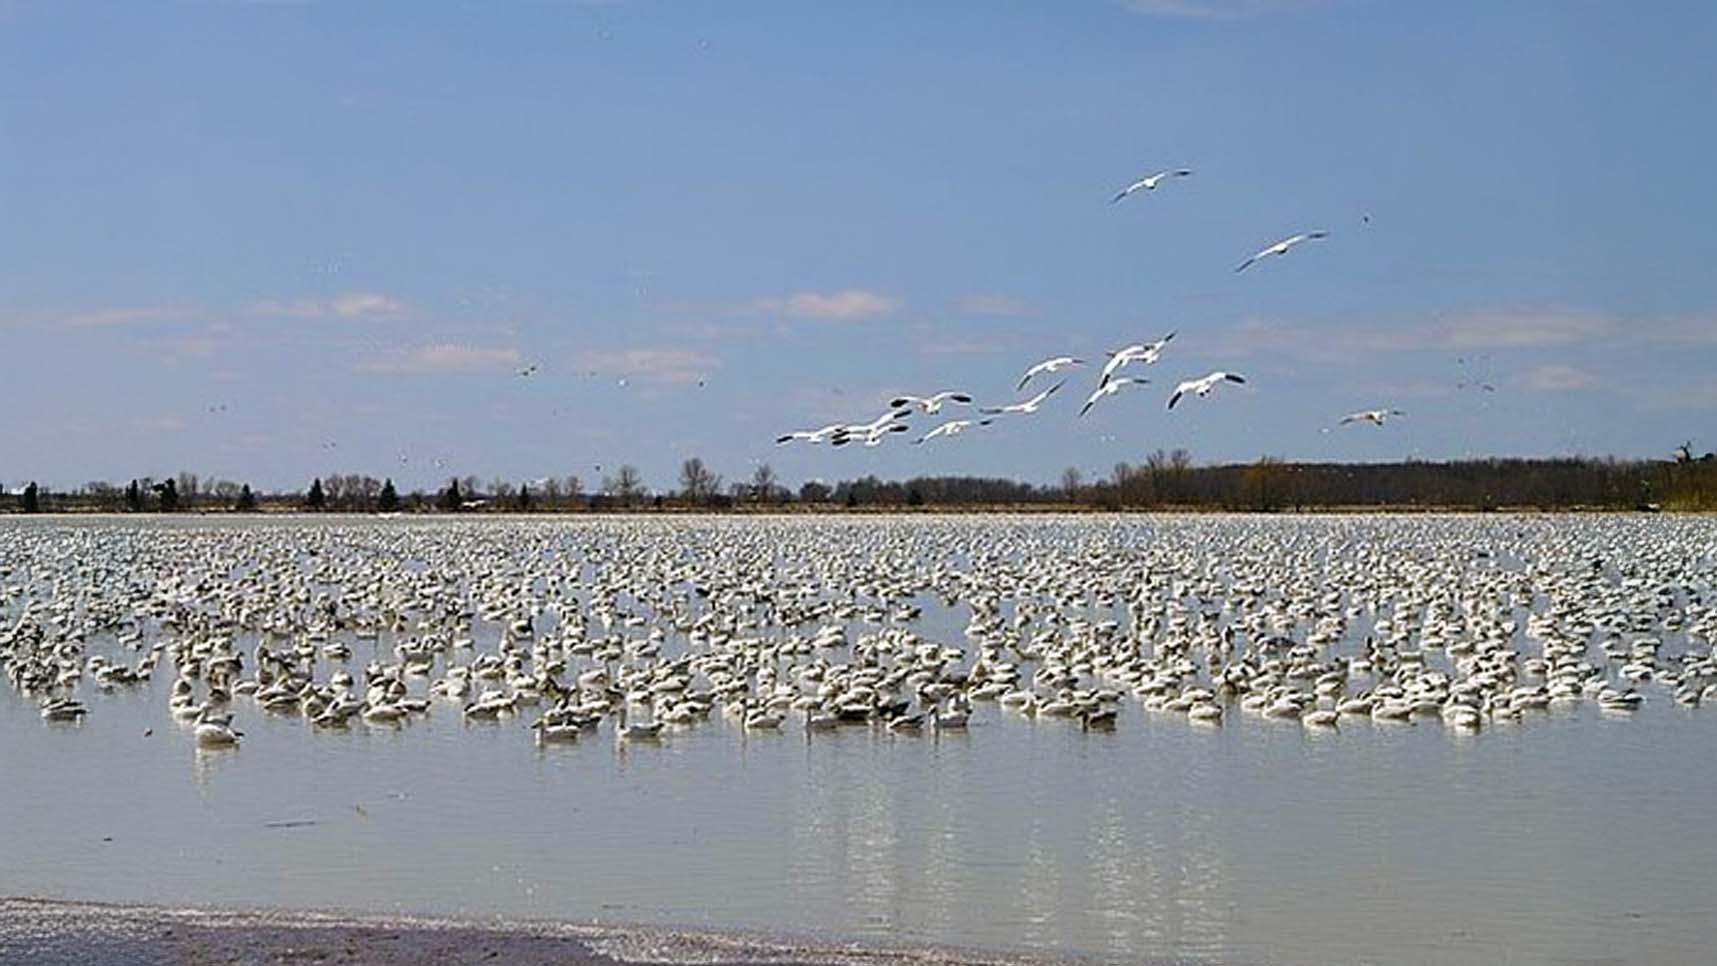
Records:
x=1282, y=247
x=1149, y=183
x=931, y=405
x=1203, y=386
x=1109, y=388
x=1027, y=407
x=1145, y=352
x=952, y=427
x=1376, y=417
x=1048, y=365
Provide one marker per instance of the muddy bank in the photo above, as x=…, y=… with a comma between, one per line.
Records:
x=42, y=932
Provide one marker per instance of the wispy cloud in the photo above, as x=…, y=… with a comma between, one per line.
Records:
x=445, y=357
x=101, y=318
x=1556, y=378
x=1516, y=330
x=350, y=306
x=1500, y=330
x=836, y=306
x=665, y=367
x=993, y=304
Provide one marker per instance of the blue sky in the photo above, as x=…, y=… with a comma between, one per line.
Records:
x=268, y=240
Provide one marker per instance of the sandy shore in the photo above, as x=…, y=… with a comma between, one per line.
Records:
x=45, y=932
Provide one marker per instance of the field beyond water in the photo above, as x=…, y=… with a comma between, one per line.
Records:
x=1237, y=739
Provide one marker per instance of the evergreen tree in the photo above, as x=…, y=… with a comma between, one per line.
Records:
x=31, y=499
x=246, y=500
x=523, y=501
x=315, y=499
x=134, y=497
x=450, y=498
x=388, y=501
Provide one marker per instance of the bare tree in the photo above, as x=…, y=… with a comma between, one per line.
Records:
x=697, y=483
x=626, y=485
x=1071, y=482
x=763, y=483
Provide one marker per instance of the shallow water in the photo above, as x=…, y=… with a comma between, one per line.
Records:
x=1565, y=837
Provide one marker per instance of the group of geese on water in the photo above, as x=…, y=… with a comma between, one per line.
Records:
x=658, y=626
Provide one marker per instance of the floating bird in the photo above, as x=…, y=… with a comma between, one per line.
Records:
x=1048, y=365
x=1149, y=183
x=930, y=404
x=1203, y=386
x=1282, y=247
x=1374, y=416
x=1109, y=388
x=1029, y=406
x=1145, y=352
x=952, y=427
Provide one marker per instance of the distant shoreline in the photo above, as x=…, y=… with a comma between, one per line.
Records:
x=831, y=510
x=52, y=932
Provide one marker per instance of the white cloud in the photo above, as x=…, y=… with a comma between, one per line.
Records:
x=446, y=357
x=838, y=306
x=1555, y=378
x=350, y=306
x=109, y=317
x=993, y=304
x=1513, y=330
x=660, y=366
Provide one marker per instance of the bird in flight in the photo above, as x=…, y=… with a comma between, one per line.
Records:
x=810, y=435
x=1029, y=406
x=1048, y=365
x=1376, y=417
x=930, y=404
x=1203, y=386
x=1282, y=247
x=1145, y=352
x=1149, y=183
x=952, y=427
x=1109, y=388
x=528, y=371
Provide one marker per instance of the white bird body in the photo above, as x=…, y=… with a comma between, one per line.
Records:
x=931, y=405
x=1109, y=388
x=810, y=435
x=1376, y=417
x=1282, y=247
x=1029, y=406
x=1149, y=183
x=1145, y=352
x=1202, y=386
x=1048, y=365
x=952, y=427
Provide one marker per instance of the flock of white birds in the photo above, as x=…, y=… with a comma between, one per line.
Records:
x=639, y=628
x=894, y=418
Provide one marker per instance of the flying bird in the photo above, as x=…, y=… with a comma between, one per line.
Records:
x=528, y=371
x=1376, y=417
x=952, y=427
x=930, y=404
x=1048, y=365
x=1109, y=388
x=1282, y=247
x=1145, y=352
x=810, y=435
x=1149, y=183
x=1029, y=406
x=1203, y=386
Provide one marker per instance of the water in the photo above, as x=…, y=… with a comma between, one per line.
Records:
x=1573, y=837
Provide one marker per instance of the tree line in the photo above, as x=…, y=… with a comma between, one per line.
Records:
x=1162, y=480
